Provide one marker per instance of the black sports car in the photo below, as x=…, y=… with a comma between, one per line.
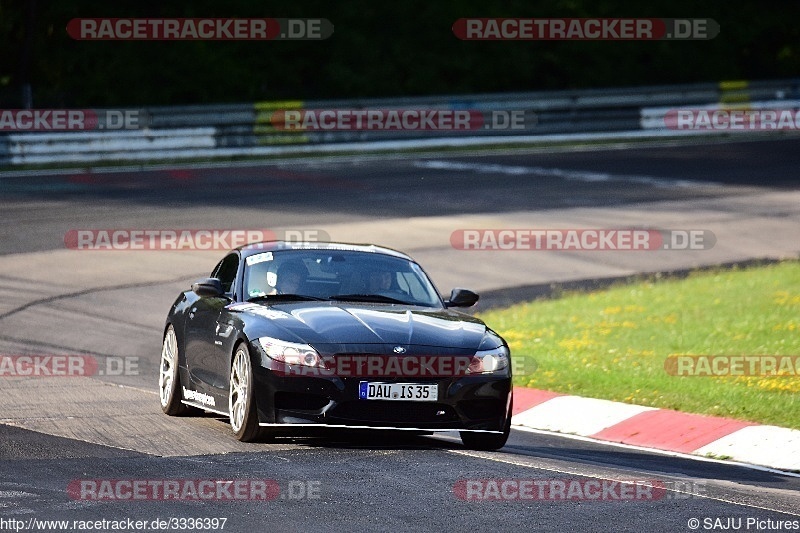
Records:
x=334, y=335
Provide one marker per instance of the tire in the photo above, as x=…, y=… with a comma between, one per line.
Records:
x=487, y=441
x=241, y=407
x=169, y=379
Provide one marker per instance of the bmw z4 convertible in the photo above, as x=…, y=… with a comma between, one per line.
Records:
x=291, y=335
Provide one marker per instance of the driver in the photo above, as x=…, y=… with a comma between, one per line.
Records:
x=380, y=281
x=290, y=276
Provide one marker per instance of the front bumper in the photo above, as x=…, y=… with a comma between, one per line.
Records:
x=465, y=403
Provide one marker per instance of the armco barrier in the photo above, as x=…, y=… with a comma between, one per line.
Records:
x=241, y=130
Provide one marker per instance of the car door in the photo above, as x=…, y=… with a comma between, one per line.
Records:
x=204, y=329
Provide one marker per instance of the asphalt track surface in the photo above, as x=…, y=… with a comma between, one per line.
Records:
x=56, y=431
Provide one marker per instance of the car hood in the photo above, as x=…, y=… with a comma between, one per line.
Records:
x=345, y=323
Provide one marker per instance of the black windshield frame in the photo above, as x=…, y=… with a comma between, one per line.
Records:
x=328, y=273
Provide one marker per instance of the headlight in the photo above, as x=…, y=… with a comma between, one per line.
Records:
x=488, y=361
x=290, y=353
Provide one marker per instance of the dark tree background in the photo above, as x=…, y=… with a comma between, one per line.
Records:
x=378, y=49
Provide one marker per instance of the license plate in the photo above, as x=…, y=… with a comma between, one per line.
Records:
x=414, y=392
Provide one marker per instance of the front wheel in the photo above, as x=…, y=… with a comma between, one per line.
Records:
x=241, y=406
x=169, y=381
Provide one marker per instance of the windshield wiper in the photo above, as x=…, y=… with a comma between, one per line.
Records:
x=287, y=297
x=369, y=298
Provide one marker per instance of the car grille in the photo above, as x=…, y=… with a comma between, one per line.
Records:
x=395, y=412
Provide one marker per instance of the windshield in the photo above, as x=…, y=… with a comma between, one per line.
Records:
x=340, y=275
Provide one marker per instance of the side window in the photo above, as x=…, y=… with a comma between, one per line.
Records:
x=226, y=272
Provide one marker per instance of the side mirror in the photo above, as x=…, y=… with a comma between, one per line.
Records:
x=461, y=298
x=208, y=287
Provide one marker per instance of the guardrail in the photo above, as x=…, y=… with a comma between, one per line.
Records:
x=241, y=130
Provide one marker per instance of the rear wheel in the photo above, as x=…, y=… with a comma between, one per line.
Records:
x=241, y=406
x=487, y=441
x=168, y=376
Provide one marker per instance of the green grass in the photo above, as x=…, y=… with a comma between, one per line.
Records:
x=612, y=344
